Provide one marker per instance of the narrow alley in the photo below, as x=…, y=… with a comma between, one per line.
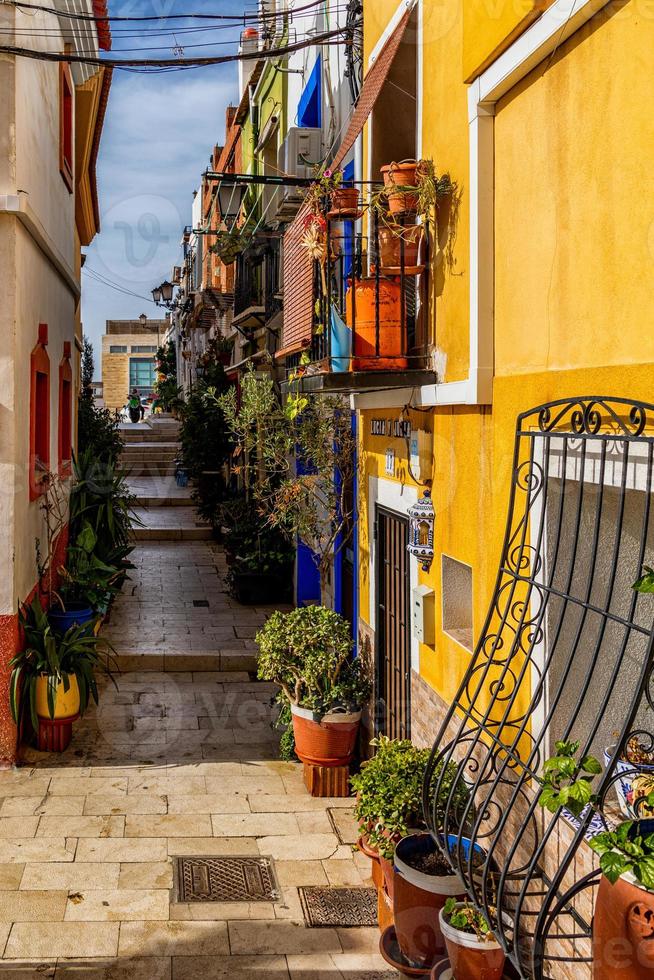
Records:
x=179, y=761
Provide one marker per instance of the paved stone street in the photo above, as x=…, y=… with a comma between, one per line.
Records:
x=176, y=762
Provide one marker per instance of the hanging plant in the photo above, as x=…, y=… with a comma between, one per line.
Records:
x=229, y=245
x=325, y=184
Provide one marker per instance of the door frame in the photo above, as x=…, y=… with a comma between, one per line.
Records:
x=397, y=498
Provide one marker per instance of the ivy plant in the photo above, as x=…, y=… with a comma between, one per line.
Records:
x=625, y=850
x=567, y=782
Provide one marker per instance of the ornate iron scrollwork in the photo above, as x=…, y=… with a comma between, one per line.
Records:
x=566, y=652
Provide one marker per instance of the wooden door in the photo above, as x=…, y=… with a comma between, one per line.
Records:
x=393, y=656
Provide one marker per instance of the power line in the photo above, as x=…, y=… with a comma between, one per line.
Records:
x=327, y=38
x=103, y=281
x=235, y=18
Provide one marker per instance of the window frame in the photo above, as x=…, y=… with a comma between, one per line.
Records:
x=66, y=131
x=65, y=427
x=39, y=420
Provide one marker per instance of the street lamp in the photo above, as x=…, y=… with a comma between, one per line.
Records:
x=163, y=295
x=200, y=371
x=230, y=199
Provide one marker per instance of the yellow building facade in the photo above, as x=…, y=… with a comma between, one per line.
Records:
x=539, y=289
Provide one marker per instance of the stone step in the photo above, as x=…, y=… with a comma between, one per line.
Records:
x=155, y=469
x=188, y=660
x=171, y=534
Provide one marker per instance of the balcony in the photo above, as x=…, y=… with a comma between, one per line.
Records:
x=257, y=290
x=370, y=304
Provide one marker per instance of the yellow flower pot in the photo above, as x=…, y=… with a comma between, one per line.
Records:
x=66, y=702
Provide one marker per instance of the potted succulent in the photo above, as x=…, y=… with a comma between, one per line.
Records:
x=53, y=677
x=413, y=188
x=624, y=907
x=308, y=653
x=471, y=945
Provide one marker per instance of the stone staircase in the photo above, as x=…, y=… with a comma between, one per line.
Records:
x=163, y=510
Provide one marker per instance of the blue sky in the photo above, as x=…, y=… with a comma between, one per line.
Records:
x=159, y=132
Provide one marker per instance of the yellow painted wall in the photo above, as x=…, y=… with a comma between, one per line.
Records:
x=489, y=27
x=574, y=268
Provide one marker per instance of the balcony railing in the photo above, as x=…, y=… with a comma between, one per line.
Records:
x=257, y=280
x=367, y=299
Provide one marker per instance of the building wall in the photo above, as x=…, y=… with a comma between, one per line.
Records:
x=573, y=251
x=115, y=367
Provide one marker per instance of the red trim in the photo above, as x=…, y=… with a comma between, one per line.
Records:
x=102, y=24
x=39, y=413
x=65, y=435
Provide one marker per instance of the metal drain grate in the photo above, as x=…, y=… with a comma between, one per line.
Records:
x=226, y=879
x=344, y=907
x=201, y=603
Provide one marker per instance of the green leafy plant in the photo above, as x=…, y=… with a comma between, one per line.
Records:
x=325, y=183
x=97, y=428
x=86, y=578
x=79, y=652
x=228, y=245
x=645, y=583
x=625, y=850
x=567, y=782
x=466, y=918
x=389, y=791
x=311, y=501
x=308, y=653
x=167, y=391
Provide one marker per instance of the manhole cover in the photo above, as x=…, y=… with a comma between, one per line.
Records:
x=345, y=907
x=201, y=603
x=226, y=879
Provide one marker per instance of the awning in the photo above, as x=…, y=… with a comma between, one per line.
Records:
x=298, y=264
x=373, y=83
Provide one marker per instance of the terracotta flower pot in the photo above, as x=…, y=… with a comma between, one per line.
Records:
x=391, y=241
x=417, y=900
x=345, y=200
x=472, y=958
x=384, y=909
x=623, y=931
x=329, y=742
x=375, y=870
x=401, y=176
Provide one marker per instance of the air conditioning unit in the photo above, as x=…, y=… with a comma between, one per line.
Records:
x=298, y=156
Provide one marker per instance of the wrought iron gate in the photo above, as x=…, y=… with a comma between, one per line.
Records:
x=566, y=652
x=393, y=660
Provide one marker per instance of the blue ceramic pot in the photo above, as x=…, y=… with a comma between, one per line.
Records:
x=61, y=620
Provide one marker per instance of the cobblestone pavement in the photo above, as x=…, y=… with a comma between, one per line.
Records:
x=172, y=764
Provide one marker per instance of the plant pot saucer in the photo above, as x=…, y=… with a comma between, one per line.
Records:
x=345, y=214
x=443, y=971
x=391, y=952
x=396, y=270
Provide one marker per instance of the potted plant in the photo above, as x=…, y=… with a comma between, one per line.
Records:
x=413, y=188
x=53, y=676
x=308, y=653
x=400, y=249
x=636, y=777
x=86, y=583
x=471, y=945
x=624, y=907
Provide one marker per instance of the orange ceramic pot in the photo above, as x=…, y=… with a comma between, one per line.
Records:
x=623, y=931
x=345, y=200
x=361, y=318
x=390, y=250
x=401, y=175
x=329, y=742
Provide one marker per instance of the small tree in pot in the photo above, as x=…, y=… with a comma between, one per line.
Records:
x=308, y=653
